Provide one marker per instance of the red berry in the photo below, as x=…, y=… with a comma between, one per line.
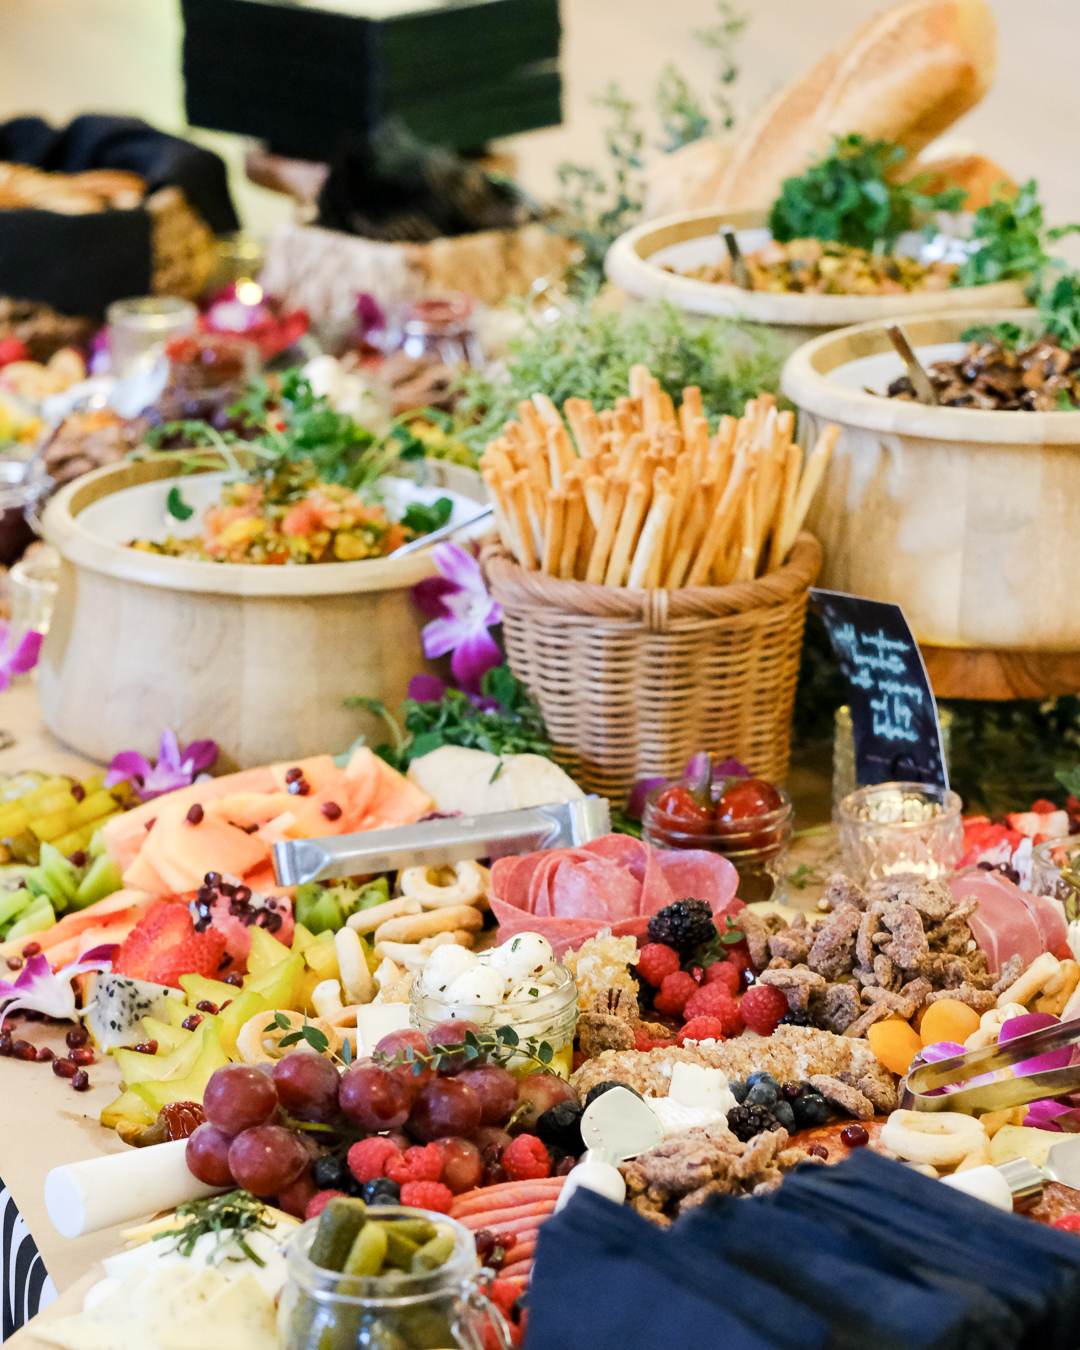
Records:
x=417, y=1164
x=701, y=1029
x=725, y=973
x=427, y=1195
x=713, y=1000
x=369, y=1158
x=762, y=1007
x=746, y=800
x=526, y=1158
x=675, y=992
x=820, y=1151
x=854, y=1136
x=1068, y=1223
x=641, y=1040
x=683, y=810
x=319, y=1201
x=655, y=961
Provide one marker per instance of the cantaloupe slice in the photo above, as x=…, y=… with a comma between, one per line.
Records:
x=249, y=808
x=393, y=799
x=184, y=853
x=350, y=795
x=317, y=770
x=143, y=874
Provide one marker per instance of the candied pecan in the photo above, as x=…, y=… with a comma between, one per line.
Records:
x=877, y=1012
x=848, y=1098
x=841, y=1007
x=903, y=1007
x=795, y=984
x=933, y=899
x=884, y=1096
x=1010, y=972
x=793, y=945
x=833, y=952
x=616, y=1002
x=888, y=976
x=778, y=963
x=908, y=943
x=758, y=929
x=917, y=990
x=841, y=890
x=868, y=926
x=982, y=1000
x=597, y=1032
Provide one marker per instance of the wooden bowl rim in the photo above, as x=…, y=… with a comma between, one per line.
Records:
x=804, y=381
x=77, y=545
x=627, y=264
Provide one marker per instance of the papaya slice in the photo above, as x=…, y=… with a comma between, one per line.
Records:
x=317, y=770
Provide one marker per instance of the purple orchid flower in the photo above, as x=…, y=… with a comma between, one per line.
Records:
x=39, y=990
x=175, y=768
x=16, y=658
x=462, y=612
x=1048, y=1114
x=427, y=688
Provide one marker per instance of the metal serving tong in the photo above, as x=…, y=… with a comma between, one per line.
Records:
x=499, y=834
x=740, y=273
x=443, y=532
x=920, y=381
x=1005, y=1092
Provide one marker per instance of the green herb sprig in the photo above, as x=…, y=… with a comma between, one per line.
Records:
x=848, y=197
x=716, y=949
x=229, y=1216
x=317, y=1040
x=1012, y=239
x=497, y=1047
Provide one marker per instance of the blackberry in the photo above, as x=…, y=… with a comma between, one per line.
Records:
x=796, y=1019
x=559, y=1127
x=745, y=1122
x=685, y=925
x=606, y=1086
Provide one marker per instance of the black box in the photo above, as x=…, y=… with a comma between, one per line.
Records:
x=307, y=76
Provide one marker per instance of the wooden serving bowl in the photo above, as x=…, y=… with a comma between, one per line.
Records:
x=259, y=658
x=635, y=262
x=966, y=518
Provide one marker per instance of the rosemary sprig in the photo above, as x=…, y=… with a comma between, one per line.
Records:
x=228, y=1216
x=498, y=1046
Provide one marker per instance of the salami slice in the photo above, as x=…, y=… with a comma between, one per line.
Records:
x=695, y=874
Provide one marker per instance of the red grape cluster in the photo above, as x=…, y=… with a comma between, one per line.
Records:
x=427, y=1117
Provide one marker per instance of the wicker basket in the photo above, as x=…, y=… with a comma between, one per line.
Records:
x=632, y=683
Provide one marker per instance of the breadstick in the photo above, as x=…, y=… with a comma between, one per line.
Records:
x=561, y=455
x=808, y=484
x=553, y=532
x=574, y=522
x=635, y=443
x=640, y=379
x=719, y=526
x=622, y=550
x=413, y=927
x=547, y=410
x=792, y=465
x=504, y=514
x=691, y=410
x=614, y=501
x=686, y=545
x=517, y=492
x=650, y=545
x=595, y=490
x=532, y=423
x=514, y=434
x=748, y=551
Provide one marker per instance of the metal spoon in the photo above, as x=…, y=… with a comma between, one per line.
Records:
x=740, y=273
x=440, y=533
x=920, y=381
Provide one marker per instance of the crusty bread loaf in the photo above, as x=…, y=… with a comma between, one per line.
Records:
x=905, y=76
x=977, y=175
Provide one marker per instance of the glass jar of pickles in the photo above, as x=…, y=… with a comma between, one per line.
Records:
x=517, y=984
x=417, y=1284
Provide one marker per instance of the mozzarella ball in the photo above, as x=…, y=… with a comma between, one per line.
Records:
x=522, y=958
x=444, y=965
x=479, y=986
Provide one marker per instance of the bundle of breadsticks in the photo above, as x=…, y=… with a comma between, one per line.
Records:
x=640, y=495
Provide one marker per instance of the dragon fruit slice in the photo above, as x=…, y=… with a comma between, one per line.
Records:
x=119, y=1002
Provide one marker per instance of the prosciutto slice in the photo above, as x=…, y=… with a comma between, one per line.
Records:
x=1009, y=921
x=615, y=882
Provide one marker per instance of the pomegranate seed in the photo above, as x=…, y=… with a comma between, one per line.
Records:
x=818, y=1151
x=150, y=823
x=81, y=1081
x=81, y=1054
x=78, y=792
x=77, y=1036
x=78, y=858
x=5, y=1045
x=44, y=1055
x=854, y=1136
x=212, y=879
x=234, y=978
x=147, y=1047
x=195, y=815
x=331, y=810
x=293, y=775
x=226, y=1004
x=190, y=1023
x=64, y=1068
x=15, y=963
x=204, y=1005
x=23, y=1050
x=31, y=949
x=300, y=787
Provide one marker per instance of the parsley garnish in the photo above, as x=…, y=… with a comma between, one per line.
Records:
x=229, y=1216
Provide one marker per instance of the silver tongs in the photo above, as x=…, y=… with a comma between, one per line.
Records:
x=1003, y=1093
x=499, y=834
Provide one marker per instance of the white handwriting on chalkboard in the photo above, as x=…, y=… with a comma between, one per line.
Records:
x=872, y=655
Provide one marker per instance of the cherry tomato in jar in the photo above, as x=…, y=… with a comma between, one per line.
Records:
x=746, y=799
x=683, y=810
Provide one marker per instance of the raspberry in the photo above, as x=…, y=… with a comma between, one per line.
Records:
x=739, y=958
x=655, y=960
x=762, y=1007
x=702, y=1029
x=675, y=991
x=723, y=972
x=1068, y=1223
x=641, y=1040
x=526, y=1159
x=319, y=1201
x=369, y=1158
x=417, y=1164
x=713, y=1000
x=427, y=1195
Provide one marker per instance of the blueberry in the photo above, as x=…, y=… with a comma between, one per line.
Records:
x=783, y=1113
x=738, y=1090
x=381, y=1191
x=811, y=1109
x=763, y=1094
x=328, y=1173
x=761, y=1077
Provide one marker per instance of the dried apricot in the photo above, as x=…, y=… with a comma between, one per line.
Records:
x=895, y=1043
x=948, y=1019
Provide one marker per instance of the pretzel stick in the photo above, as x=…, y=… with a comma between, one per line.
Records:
x=605, y=535
x=651, y=542
x=792, y=465
x=636, y=501
x=553, y=532
x=574, y=521
x=517, y=493
x=808, y=484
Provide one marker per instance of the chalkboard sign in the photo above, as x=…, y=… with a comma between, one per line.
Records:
x=894, y=717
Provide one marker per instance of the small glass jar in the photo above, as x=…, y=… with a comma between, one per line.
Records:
x=441, y=328
x=139, y=329
x=755, y=846
x=1055, y=871
x=900, y=827
x=551, y=1018
x=34, y=582
x=322, y=1310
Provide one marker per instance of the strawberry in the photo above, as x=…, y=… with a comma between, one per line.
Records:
x=163, y=945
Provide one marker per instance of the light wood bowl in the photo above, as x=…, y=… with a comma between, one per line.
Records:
x=258, y=658
x=794, y=318
x=965, y=518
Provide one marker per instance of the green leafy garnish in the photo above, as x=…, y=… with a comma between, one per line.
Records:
x=228, y=1216
x=316, y=1039
x=176, y=506
x=803, y=875
x=1009, y=335
x=1070, y=780
x=497, y=1047
x=423, y=519
x=848, y=197
x=1012, y=239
